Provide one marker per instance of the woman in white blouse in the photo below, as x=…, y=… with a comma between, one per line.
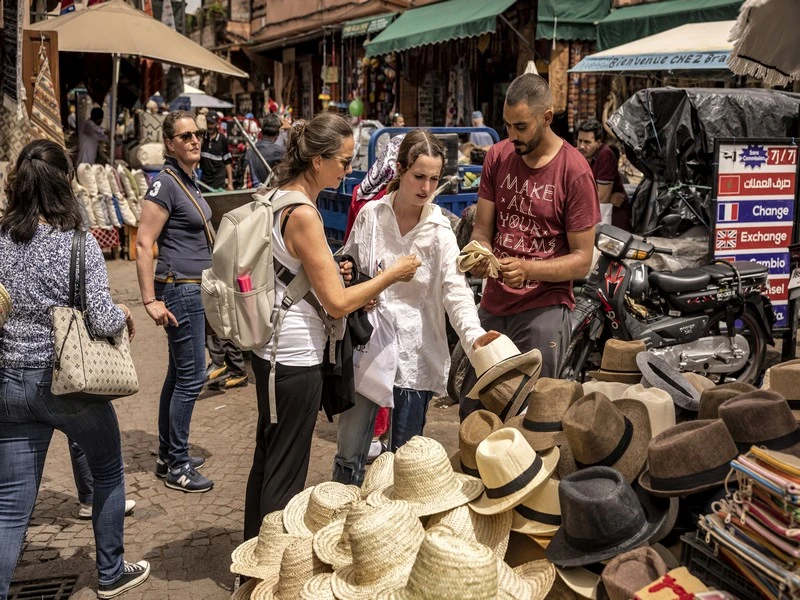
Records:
x=407, y=222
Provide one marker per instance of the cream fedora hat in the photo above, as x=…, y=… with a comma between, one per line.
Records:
x=613, y=390
x=510, y=469
x=313, y=508
x=498, y=357
x=424, y=478
x=659, y=405
x=261, y=556
x=489, y=530
x=540, y=513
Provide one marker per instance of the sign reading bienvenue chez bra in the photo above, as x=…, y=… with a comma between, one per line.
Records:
x=654, y=62
x=754, y=210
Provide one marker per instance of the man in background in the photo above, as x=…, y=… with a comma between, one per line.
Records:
x=215, y=158
x=605, y=167
x=271, y=146
x=479, y=138
x=90, y=135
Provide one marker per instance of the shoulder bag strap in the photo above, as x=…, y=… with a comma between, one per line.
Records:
x=73, y=265
x=176, y=177
x=82, y=267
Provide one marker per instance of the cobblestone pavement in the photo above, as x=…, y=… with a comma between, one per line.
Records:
x=188, y=538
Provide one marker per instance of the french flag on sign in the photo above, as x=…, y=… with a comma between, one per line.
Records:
x=728, y=212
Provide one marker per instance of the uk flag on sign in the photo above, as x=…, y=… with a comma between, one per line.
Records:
x=727, y=238
x=728, y=212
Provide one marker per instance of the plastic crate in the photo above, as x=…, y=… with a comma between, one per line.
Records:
x=456, y=203
x=712, y=570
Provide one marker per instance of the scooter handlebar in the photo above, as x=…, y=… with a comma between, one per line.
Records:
x=659, y=250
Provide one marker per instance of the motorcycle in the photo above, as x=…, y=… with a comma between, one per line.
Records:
x=714, y=320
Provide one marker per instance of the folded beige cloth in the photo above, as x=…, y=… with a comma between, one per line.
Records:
x=472, y=253
x=5, y=305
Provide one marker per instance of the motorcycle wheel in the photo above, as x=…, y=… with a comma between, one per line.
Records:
x=575, y=364
x=749, y=326
x=459, y=363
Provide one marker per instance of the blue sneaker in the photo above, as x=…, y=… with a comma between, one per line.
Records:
x=162, y=468
x=187, y=479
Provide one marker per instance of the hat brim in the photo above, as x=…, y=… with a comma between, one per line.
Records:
x=326, y=546
x=244, y=561
x=345, y=586
x=529, y=363
x=615, y=376
x=540, y=575
x=493, y=531
x=490, y=506
x=583, y=582
x=539, y=440
x=645, y=482
x=455, y=462
x=533, y=528
x=562, y=554
x=469, y=488
x=294, y=513
x=659, y=373
x=265, y=590
x=244, y=591
x=664, y=512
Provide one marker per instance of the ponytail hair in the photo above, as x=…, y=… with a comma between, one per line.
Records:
x=417, y=142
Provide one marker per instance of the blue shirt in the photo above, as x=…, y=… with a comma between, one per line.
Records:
x=183, y=250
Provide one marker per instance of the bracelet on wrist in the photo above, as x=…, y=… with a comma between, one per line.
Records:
x=150, y=301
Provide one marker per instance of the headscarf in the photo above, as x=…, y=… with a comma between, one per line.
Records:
x=382, y=172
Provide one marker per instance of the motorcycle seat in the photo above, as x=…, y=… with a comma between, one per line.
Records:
x=684, y=280
x=746, y=270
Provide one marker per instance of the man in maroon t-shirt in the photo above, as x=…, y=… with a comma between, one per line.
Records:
x=605, y=166
x=537, y=208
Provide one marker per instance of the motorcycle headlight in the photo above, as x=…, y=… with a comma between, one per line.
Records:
x=609, y=245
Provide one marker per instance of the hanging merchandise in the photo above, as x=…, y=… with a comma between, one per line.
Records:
x=356, y=107
x=451, y=110
x=45, y=118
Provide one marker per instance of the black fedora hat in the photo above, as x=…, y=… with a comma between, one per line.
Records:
x=601, y=517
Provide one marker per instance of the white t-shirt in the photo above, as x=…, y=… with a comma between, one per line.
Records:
x=302, y=338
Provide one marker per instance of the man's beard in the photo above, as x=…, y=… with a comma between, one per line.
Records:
x=523, y=148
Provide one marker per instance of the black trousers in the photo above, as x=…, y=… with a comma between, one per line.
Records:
x=225, y=352
x=283, y=449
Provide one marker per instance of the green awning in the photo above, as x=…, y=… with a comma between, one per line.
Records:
x=570, y=19
x=625, y=25
x=367, y=25
x=437, y=23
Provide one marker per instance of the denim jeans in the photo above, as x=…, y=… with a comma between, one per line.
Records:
x=408, y=415
x=28, y=415
x=186, y=372
x=353, y=438
x=81, y=473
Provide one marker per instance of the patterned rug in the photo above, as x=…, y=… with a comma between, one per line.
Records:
x=45, y=117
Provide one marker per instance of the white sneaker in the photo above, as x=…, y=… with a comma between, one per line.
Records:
x=85, y=511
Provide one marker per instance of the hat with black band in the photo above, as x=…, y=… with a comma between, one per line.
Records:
x=540, y=513
x=547, y=403
x=761, y=418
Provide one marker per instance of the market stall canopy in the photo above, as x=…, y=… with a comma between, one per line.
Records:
x=367, y=25
x=436, y=23
x=696, y=46
x=115, y=27
x=193, y=97
x=765, y=41
x=569, y=19
x=631, y=23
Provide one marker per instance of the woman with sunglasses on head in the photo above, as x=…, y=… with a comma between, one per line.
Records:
x=178, y=218
x=318, y=156
x=36, y=238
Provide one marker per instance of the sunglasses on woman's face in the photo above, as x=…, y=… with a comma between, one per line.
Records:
x=345, y=162
x=187, y=136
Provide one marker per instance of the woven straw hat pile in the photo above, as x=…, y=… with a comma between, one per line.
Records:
x=409, y=533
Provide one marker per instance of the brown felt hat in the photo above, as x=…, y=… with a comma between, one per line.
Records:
x=507, y=395
x=785, y=379
x=611, y=434
x=688, y=458
x=619, y=362
x=473, y=430
x=761, y=418
x=711, y=399
x=548, y=402
x=699, y=382
x=631, y=571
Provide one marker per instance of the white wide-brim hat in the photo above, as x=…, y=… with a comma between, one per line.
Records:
x=497, y=358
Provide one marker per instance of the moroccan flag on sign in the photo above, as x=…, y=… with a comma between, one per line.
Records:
x=67, y=6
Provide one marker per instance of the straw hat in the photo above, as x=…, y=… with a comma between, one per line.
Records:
x=612, y=389
x=379, y=475
x=712, y=399
x=618, y=362
x=540, y=513
x=631, y=571
x=511, y=470
x=313, y=508
x=489, y=530
x=244, y=591
x=541, y=423
x=658, y=373
x=560, y=590
x=318, y=588
x=5, y=304
x=602, y=517
x=689, y=458
x=384, y=543
x=611, y=434
x=499, y=357
x=660, y=407
x=538, y=574
x=332, y=542
x=261, y=556
x=299, y=564
x=761, y=418
x=448, y=566
x=473, y=430
x=424, y=478
x=699, y=382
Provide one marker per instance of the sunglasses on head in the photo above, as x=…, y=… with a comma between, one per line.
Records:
x=187, y=136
